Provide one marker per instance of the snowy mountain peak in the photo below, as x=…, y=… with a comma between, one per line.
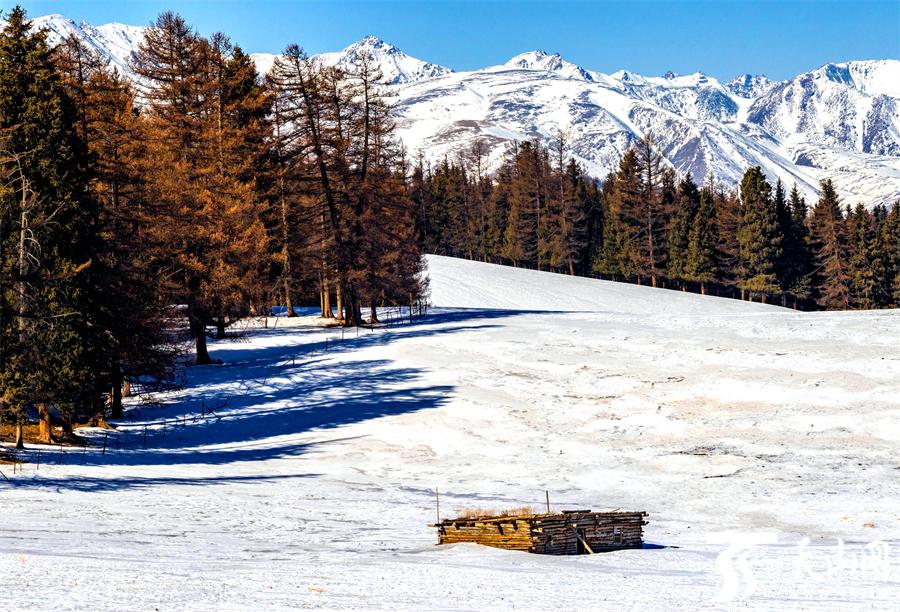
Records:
x=396, y=66
x=114, y=41
x=628, y=77
x=541, y=60
x=872, y=77
x=750, y=85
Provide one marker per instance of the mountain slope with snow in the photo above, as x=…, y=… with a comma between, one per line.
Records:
x=396, y=67
x=840, y=121
x=295, y=476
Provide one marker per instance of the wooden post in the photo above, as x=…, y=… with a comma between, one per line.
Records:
x=105, y=436
x=548, y=501
x=437, y=504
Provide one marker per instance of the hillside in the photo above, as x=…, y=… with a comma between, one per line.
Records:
x=309, y=480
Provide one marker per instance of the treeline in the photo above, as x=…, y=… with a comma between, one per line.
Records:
x=645, y=224
x=201, y=193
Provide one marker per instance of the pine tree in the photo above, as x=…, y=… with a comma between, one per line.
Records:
x=796, y=263
x=623, y=239
x=863, y=258
x=889, y=239
x=702, y=261
x=47, y=234
x=829, y=243
x=687, y=204
x=127, y=313
x=759, y=236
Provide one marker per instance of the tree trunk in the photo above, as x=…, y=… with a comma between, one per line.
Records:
x=20, y=436
x=67, y=428
x=220, y=328
x=340, y=303
x=198, y=330
x=373, y=318
x=45, y=432
x=116, y=411
x=702, y=289
x=326, y=300
x=288, y=302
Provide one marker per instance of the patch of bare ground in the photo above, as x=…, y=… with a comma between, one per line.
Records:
x=58, y=434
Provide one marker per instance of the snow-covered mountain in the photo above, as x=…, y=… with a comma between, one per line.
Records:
x=396, y=67
x=115, y=41
x=750, y=85
x=541, y=60
x=840, y=121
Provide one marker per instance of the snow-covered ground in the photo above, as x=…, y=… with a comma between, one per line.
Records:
x=311, y=484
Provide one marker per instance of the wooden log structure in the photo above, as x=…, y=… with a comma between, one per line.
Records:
x=565, y=533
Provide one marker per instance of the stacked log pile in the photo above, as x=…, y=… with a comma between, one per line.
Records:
x=566, y=533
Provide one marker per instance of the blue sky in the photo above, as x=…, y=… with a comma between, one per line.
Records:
x=722, y=38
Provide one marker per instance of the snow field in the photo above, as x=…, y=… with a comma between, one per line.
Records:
x=312, y=485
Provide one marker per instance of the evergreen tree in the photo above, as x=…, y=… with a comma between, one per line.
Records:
x=702, y=261
x=796, y=263
x=622, y=251
x=759, y=236
x=687, y=204
x=863, y=259
x=127, y=313
x=889, y=240
x=47, y=234
x=829, y=243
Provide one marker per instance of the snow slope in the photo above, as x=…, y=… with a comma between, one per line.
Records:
x=310, y=481
x=840, y=121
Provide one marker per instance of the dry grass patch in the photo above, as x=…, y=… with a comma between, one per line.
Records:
x=477, y=512
x=32, y=430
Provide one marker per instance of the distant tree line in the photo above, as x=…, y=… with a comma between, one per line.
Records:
x=646, y=224
x=199, y=193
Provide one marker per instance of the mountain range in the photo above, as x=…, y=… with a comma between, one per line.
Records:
x=841, y=120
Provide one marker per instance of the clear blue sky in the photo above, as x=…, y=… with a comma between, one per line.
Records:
x=722, y=38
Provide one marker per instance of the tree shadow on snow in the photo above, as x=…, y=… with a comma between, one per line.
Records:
x=101, y=485
x=269, y=400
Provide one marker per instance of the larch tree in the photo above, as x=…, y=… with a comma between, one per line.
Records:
x=195, y=98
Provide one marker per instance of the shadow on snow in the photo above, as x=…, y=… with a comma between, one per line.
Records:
x=270, y=401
